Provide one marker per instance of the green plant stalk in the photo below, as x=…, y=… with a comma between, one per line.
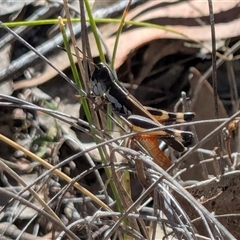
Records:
x=112, y=20
x=76, y=76
x=119, y=33
x=78, y=81
x=102, y=58
x=94, y=30
x=109, y=122
x=74, y=70
x=126, y=178
x=69, y=53
x=96, y=20
x=92, y=22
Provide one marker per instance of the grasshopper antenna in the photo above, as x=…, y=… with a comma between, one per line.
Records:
x=89, y=60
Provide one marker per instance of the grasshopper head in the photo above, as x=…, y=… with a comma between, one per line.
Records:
x=102, y=79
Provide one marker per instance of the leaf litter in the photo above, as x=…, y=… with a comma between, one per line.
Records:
x=156, y=66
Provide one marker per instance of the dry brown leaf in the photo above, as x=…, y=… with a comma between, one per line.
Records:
x=227, y=26
x=183, y=9
x=182, y=17
x=219, y=196
x=205, y=109
x=134, y=39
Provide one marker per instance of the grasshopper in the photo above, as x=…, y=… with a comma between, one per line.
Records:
x=105, y=85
